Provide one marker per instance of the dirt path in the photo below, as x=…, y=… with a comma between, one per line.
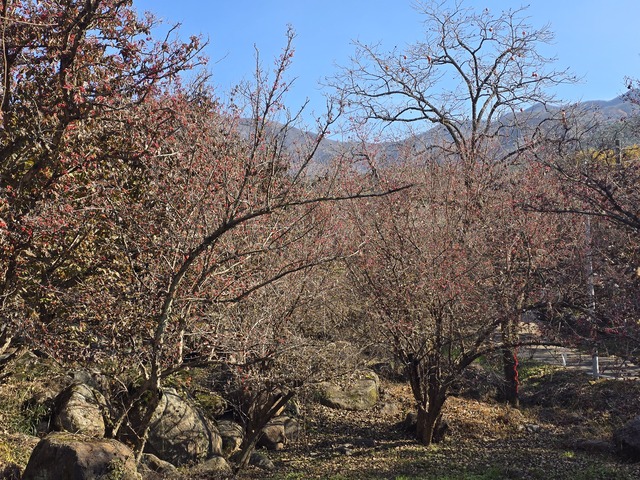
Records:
x=610, y=366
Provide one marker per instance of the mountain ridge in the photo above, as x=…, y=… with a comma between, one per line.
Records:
x=611, y=114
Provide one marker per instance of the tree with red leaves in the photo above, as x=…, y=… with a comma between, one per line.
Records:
x=151, y=207
x=73, y=75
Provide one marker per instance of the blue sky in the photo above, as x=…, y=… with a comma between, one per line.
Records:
x=598, y=39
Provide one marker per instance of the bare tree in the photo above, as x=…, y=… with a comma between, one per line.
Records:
x=73, y=74
x=473, y=75
x=478, y=77
x=597, y=182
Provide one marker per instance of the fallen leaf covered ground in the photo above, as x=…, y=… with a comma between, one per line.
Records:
x=561, y=410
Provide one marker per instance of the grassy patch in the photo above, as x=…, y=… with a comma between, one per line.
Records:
x=32, y=415
x=534, y=372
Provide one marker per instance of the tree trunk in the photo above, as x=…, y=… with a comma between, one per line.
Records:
x=429, y=420
x=259, y=417
x=150, y=401
x=246, y=449
x=133, y=423
x=511, y=383
x=510, y=363
x=425, y=426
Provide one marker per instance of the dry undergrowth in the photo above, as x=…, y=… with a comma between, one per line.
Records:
x=25, y=402
x=487, y=440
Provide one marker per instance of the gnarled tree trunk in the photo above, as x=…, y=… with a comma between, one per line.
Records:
x=429, y=421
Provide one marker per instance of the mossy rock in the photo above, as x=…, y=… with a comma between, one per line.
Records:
x=180, y=433
x=78, y=409
x=212, y=404
x=362, y=394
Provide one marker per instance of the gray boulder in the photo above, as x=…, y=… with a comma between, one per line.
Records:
x=627, y=440
x=389, y=409
x=214, y=467
x=362, y=394
x=258, y=460
x=232, y=435
x=278, y=432
x=410, y=422
x=157, y=465
x=179, y=433
x=68, y=456
x=211, y=403
x=217, y=466
x=78, y=409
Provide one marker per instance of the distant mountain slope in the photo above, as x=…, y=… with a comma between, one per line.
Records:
x=617, y=108
x=618, y=118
